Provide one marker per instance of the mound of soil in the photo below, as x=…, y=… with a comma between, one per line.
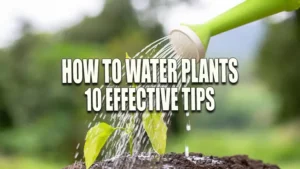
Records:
x=177, y=161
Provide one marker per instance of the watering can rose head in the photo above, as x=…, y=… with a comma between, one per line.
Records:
x=187, y=44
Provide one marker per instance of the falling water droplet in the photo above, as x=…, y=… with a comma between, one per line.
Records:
x=78, y=145
x=188, y=126
x=186, y=152
x=76, y=155
x=95, y=117
x=187, y=114
x=90, y=124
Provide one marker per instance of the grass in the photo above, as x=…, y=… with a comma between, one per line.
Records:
x=27, y=163
x=275, y=147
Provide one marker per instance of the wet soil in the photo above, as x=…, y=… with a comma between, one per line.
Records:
x=177, y=161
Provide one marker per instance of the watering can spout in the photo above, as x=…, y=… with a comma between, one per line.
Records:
x=244, y=13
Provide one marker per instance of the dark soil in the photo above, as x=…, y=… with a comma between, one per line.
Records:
x=177, y=161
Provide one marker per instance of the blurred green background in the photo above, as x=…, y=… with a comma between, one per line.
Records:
x=42, y=121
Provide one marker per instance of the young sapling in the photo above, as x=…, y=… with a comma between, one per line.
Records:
x=98, y=135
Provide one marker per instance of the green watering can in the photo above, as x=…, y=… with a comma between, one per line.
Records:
x=191, y=41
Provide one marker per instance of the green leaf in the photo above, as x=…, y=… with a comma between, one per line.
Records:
x=156, y=130
x=95, y=140
x=134, y=85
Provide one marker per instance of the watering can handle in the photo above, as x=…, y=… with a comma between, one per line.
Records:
x=249, y=11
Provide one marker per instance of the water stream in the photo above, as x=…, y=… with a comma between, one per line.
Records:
x=117, y=144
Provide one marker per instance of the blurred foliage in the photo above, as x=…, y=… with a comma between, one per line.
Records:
x=257, y=144
x=278, y=65
x=40, y=116
x=238, y=107
x=116, y=16
x=27, y=163
x=42, y=112
x=117, y=25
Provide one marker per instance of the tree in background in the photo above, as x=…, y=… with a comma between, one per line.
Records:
x=279, y=64
x=121, y=26
x=117, y=26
